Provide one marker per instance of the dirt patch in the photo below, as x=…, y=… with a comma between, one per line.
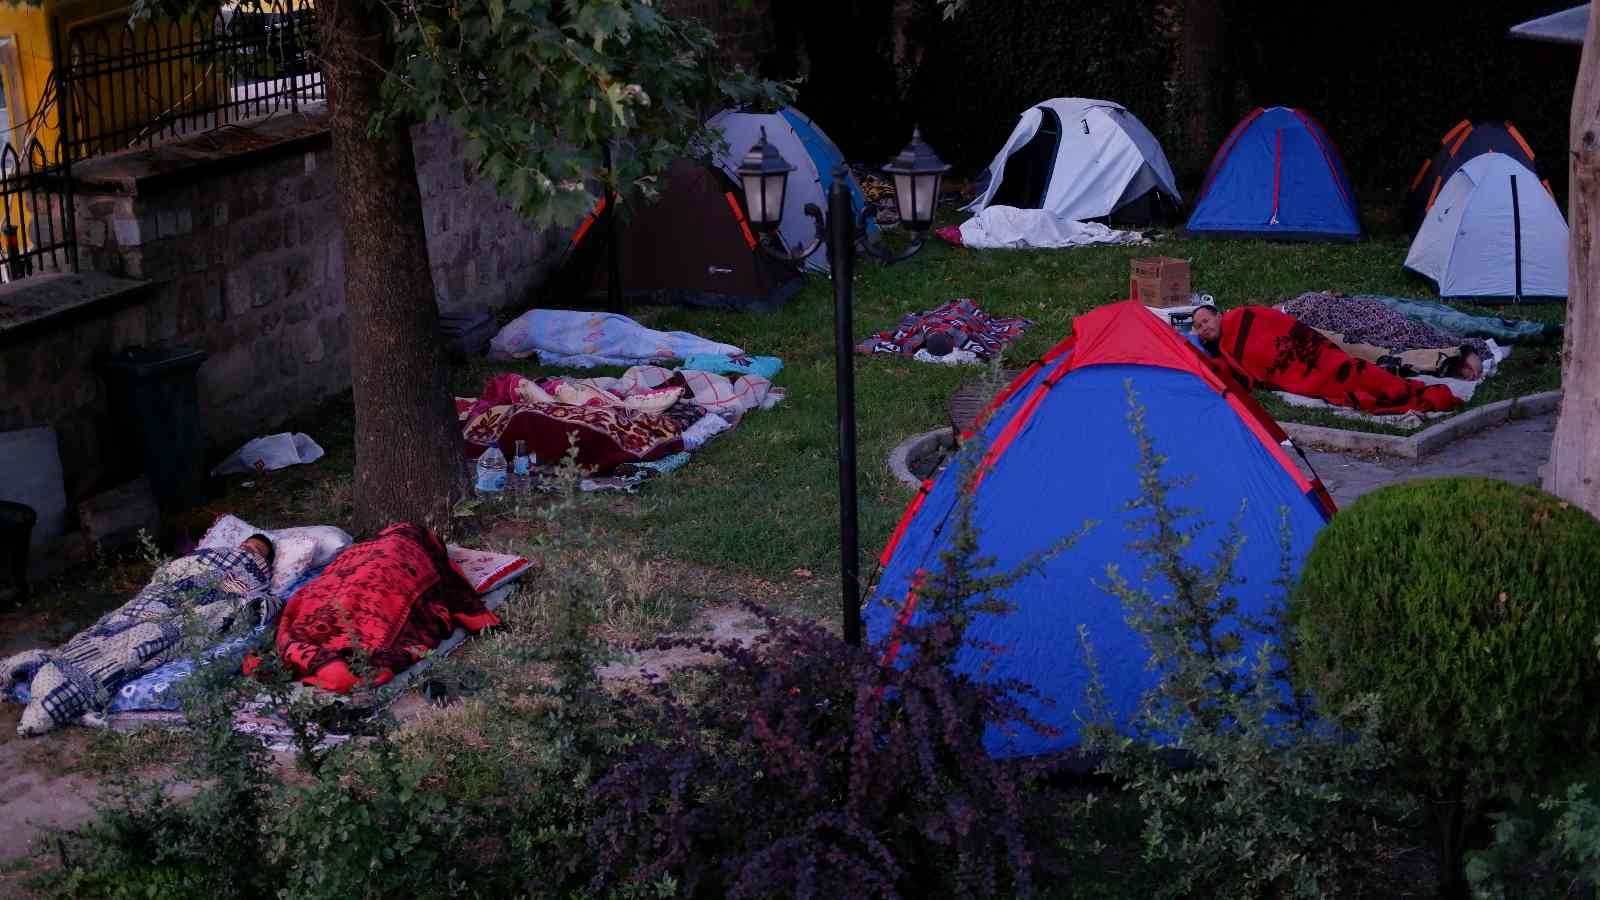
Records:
x=721, y=624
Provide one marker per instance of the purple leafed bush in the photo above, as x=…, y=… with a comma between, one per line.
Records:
x=806, y=769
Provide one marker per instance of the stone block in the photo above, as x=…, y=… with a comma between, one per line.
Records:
x=286, y=193
x=308, y=344
x=269, y=323
x=115, y=518
x=310, y=163
x=213, y=294
x=129, y=328
x=92, y=233
x=162, y=316
x=296, y=312
x=296, y=272
x=126, y=230
x=191, y=305
x=227, y=375
x=265, y=285
x=237, y=292
x=167, y=223
x=219, y=215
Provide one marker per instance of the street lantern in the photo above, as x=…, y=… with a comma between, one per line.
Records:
x=917, y=172
x=765, y=174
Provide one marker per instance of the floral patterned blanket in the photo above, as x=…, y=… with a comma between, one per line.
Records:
x=389, y=601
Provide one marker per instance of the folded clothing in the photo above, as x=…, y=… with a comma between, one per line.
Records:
x=767, y=367
x=957, y=325
x=390, y=600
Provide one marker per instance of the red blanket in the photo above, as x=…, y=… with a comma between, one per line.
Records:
x=1267, y=348
x=394, y=598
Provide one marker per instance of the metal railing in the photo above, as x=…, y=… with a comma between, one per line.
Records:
x=122, y=85
x=119, y=85
x=36, y=222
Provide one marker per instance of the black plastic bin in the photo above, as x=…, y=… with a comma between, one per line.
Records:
x=155, y=402
x=16, y=533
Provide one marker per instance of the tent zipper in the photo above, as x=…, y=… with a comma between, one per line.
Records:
x=1277, y=176
x=1516, y=235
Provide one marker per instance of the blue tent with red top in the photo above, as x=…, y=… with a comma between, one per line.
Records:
x=1057, y=453
x=1278, y=176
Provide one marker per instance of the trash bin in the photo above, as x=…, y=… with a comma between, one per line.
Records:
x=155, y=403
x=16, y=532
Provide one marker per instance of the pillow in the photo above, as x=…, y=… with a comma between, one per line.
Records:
x=296, y=550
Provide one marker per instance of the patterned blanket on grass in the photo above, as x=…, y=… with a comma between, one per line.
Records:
x=956, y=326
x=205, y=593
x=392, y=599
x=1367, y=320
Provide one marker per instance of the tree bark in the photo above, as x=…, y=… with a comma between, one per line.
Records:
x=1573, y=473
x=408, y=447
x=1199, y=73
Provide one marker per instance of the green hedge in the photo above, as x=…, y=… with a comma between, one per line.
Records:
x=1472, y=608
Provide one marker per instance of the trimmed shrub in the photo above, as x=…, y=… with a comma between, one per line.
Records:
x=1472, y=608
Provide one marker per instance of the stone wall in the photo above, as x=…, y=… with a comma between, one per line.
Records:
x=244, y=257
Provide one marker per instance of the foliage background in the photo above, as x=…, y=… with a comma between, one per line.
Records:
x=1388, y=79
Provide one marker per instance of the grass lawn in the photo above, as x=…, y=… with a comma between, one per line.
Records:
x=762, y=501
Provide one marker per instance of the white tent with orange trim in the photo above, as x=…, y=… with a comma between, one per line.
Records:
x=1461, y=144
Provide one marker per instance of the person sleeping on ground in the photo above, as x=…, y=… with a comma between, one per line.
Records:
x=379, y=607
x=1266, y=348
x=204, y=594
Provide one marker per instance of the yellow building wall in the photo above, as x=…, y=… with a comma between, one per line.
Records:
x=125, y=99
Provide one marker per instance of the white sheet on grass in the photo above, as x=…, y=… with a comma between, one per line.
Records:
x=1009, y=228
x=580, y=339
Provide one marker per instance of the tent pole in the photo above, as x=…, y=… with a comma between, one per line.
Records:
x=1516, y=234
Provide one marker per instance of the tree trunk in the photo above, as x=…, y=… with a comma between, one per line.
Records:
x=408, y=448
x=1574, y=470
x=1199, y=73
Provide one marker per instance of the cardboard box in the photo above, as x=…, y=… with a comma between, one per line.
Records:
x=1160, y=281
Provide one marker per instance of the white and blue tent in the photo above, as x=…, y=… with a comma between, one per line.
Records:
x=1493, y=233
x=806, y=148
x=1082, y=159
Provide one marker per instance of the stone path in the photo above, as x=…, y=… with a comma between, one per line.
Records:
x=1512, y=452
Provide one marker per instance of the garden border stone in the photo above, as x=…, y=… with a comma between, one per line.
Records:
x=1429, y=440
x=900, y=457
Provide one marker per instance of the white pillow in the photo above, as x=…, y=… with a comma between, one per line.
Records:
x=296, y=550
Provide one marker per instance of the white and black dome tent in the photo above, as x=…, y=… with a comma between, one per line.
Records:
x=1494, y=233
x=1082, y=159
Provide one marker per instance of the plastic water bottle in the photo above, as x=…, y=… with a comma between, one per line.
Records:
x=522, y=464
x=491, y=471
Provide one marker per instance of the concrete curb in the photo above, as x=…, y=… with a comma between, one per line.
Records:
x=1428, y=440
x=900, y=456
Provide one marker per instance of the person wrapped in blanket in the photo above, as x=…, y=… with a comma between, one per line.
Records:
x=211, y=591
x=379, y=607
x=1266, y=348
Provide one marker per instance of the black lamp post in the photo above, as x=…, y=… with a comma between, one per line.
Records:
x=916, y=174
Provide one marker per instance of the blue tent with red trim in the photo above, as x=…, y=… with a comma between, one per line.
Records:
x=1280, y=176
x=1058, y=452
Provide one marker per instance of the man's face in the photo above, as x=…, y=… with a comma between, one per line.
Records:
x=1207, y=326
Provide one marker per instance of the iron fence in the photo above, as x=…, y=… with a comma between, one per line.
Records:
x=129, y=84
x=36, y=223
